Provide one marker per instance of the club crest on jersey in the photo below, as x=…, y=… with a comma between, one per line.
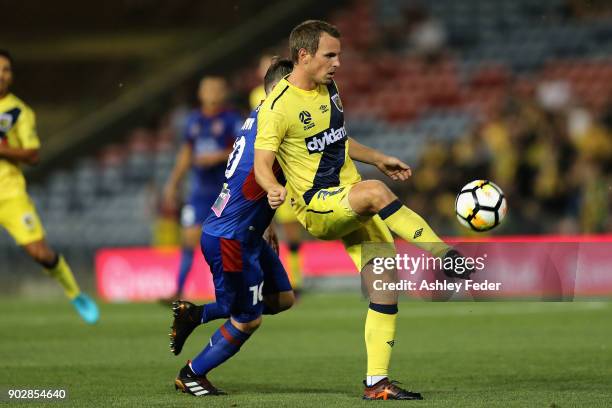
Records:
x=336, y=100
x=217, y=128
x=318, y=143
x=6, y=122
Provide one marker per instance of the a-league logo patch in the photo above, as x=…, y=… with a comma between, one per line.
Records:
x=336, y=100
x=418, y=233
x=305, y=117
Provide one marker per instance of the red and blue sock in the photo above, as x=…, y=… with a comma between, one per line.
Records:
x=223, y=344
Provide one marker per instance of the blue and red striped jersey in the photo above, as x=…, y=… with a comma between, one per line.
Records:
x=241, y=210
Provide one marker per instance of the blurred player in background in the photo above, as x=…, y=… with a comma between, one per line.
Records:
x=19, y=144
x=285, y=217
x=258, y=93
x=249, y=278
x=301, y=124
x=207, y=141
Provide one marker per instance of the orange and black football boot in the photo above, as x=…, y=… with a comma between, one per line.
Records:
x=187, y=317
x=388, y=390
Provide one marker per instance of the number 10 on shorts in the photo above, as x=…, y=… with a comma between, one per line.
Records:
x=257, y=293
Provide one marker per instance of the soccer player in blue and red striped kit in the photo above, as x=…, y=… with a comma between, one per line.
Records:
x=209, y=134
x=248, y=275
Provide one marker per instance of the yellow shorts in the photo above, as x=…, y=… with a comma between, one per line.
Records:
x=285, y=214
x=329, y=216
x=19, y=217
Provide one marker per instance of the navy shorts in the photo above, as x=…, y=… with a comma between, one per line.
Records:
x=197, y=209
x=243, y=273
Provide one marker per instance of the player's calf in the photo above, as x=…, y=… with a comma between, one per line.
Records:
x=223, y=344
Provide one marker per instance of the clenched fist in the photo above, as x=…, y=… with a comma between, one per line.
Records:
x=276, y=196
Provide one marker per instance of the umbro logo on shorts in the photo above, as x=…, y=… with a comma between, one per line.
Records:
x=196, y=388
x=391, y=343
x=418, y=233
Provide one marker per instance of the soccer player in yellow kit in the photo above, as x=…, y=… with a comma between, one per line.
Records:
x=301, y=124
x=19, y=144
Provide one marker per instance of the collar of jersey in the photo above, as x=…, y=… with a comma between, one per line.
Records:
x=312, y=93
x=8, y=97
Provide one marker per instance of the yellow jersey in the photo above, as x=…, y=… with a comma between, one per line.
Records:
x=306, y=130
x=17, y=129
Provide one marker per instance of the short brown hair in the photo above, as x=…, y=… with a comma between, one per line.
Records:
x=277, y=70
x=306, y=35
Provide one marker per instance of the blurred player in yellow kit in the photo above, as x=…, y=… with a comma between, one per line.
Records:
x=285, y=216
x=19, y=144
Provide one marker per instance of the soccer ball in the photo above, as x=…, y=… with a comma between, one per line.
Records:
x=480, y=205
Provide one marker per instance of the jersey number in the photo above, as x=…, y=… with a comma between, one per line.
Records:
x=257, y=293
x=234, y=159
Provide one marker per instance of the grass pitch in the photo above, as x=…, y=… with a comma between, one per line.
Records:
x=456, y=354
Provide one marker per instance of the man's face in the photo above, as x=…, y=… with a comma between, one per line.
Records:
x=212, y=92
x=322, y=66
x=6, y=75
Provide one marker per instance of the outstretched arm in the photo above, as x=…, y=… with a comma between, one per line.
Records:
x=389, y=165
x=363, y=153
x=183, y=162
x=264, y=175
x=18, y=155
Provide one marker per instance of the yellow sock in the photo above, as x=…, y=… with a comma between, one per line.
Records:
x=62, y=273
x=295, y=269
x=379, y=338
x=411, y=227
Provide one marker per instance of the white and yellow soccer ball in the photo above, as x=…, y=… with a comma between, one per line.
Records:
x=480, y=205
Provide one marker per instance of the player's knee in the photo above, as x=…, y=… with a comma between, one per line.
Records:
x=278, y=302
x=286, y=301
x=377, y=195
x=248, y=327
x=42, y=254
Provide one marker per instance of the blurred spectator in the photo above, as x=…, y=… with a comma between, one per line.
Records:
x=417, y=33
